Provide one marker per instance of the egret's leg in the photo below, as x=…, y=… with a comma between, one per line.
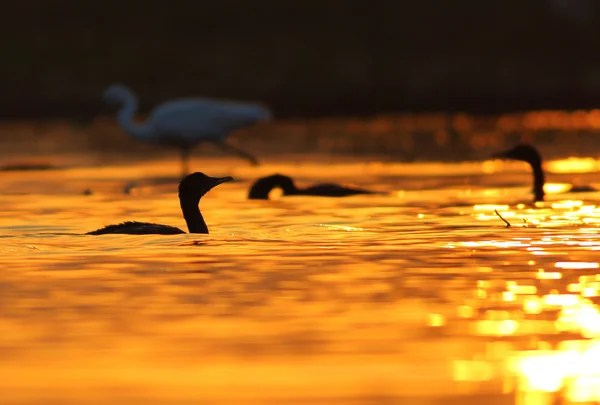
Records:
x=228, y=147
x=185, y=161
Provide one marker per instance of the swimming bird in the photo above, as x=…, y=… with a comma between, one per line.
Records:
x=191, y=190
x=185, y=122
x=529, y=154
x=262, y=187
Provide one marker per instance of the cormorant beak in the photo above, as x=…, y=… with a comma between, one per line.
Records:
x=501, y=155
x=219, y=180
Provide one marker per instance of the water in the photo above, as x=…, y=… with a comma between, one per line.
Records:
x=421, y=296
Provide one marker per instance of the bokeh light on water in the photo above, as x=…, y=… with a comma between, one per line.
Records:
x=419, y=296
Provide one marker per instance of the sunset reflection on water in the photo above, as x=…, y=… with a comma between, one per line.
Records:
x=556, y=299
x=419, y=295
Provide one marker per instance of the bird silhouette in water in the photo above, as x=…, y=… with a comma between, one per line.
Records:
x=529, y=154
x=191, y=190
x=262, y=187
x=183, y=123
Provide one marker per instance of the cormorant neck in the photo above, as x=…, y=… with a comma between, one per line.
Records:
x=538, y=181
x=261, y=189
x=193, y=217
x=125, y=118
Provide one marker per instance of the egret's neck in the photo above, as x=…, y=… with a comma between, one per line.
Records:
x=538, y=181
x=125, y=118
x=193, y=217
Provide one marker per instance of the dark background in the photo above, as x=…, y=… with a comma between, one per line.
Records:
x=304, y=58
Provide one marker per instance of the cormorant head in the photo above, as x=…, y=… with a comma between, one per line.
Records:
x=262, y=187
x=117, y=94
x=195, y=185
x=524, y=152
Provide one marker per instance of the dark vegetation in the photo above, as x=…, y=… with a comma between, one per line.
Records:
x=305, y=58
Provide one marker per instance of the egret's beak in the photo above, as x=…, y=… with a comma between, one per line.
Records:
x=88, y=115
x=106, y=107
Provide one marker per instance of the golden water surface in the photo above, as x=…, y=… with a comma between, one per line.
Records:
x=420, y=296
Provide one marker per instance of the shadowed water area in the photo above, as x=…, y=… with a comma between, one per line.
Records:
x=419, y=296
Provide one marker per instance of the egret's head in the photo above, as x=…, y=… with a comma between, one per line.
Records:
x=117, y=94
x=524, y=152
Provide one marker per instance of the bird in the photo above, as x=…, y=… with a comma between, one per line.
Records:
x=262, y=187
x=191, y=189
x=185, y=122
x=529, y=154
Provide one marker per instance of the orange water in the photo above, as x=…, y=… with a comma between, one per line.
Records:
x=421, y=296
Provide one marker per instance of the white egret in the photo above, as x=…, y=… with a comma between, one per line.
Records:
x=185, y=122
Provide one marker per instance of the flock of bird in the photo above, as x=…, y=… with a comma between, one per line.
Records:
x=185, y=123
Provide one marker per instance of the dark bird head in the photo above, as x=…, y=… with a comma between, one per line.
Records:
x=527, y=153
x=195, y=185
x=524, y=152
x=262, y=187
x=118, y=94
